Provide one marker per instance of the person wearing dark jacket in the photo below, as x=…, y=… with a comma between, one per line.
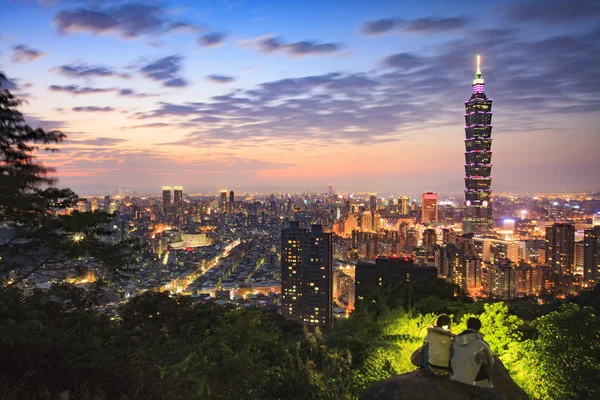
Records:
x=471, y=362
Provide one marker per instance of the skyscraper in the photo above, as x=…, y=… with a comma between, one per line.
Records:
x=403, y=205
x=178, y=198
x=166, y=194
x=330, y=190
x=560, y=247
x=478, y=158
x=591, y=255
x=429, y=207
x=231, y=201
x=373, y=202
x=307, y=274
x=223, y=201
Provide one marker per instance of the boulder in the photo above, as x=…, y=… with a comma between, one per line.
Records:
x=413, y=386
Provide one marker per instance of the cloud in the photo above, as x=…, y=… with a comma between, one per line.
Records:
x=129, y=20
x=131, y=93
x=429, y=25
x=99, y=142
x=88, y=71
x=434, y=25
x=272, y=44
x=403, y=60
x=378, y=27
x=79, y=90
x=92, y=109
x=166, y=71
x=212, y=39
x=553, y=11
x=22, y=53
x=215, y=78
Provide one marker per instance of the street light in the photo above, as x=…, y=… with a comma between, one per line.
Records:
x=78, y=237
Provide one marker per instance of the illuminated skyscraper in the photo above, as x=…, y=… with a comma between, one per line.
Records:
x=429, y=207
x=478, y=158
x=403, y=205
x=307, y=274
x=330, y=192
x=560, y=248
x=223, y=201
x=178, y=198
x=166, y=194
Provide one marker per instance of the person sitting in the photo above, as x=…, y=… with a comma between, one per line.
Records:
x=471, y=362
x=435, y=353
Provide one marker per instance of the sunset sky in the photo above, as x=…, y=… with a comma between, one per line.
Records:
x=293, y=95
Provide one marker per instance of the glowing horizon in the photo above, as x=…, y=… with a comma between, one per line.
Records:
x=369, y=98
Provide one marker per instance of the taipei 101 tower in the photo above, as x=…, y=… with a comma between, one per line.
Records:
x=478, y=158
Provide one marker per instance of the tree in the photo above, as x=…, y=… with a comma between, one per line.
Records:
x=567, y=354
x=37, y=236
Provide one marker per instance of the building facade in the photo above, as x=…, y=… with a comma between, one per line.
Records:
x=429, y=207
x=166, y=198
x=307, y=274
x=478, y=157
x=591, y=255
x=386, y=271
x=560, y=248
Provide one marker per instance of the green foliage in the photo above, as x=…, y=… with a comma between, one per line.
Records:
x=567, y=351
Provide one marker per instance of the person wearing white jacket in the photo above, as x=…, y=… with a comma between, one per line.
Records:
x=435, y=353
x=471, y=361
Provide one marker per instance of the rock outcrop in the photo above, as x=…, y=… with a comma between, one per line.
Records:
x=413, y=386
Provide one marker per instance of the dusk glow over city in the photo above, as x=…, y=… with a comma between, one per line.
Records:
x=293, y=95
x=328, y=200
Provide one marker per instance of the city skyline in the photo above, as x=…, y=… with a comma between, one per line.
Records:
x=234, y=95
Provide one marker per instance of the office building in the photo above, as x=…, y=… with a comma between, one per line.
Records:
x=373, y=202
x=166, y=197
x=307, y=274
x=223, y=201
x=560, y=248
x=178, y=198
x=429, y=207
x=385, y=271
x=95, y=204
x=330, y=190
x=403, y=205
x=231, y=201
x=478, y=158
x=591, y=255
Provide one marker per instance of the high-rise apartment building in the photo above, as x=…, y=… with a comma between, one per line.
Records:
x=307, y=274
x=591, y=255
x=560, y=248
x=223, y=201
x=478, y=158
x=429, y=239
x=178, y=198
x=386, y=271
x=429, y=207
x=166, y=195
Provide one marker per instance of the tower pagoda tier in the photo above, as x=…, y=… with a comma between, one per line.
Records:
x=478, y=158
